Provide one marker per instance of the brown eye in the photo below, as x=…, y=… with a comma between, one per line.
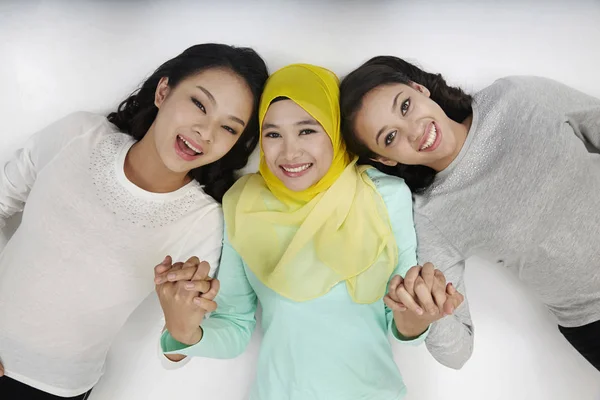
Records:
x=389, y=138
x=199, y=105
x=405, y=106
x=230, y=129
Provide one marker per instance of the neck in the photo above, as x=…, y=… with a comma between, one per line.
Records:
x=461, y=130
x=145, y=169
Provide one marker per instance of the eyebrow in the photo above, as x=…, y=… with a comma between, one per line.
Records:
x=238, y=120
x=214, y=101
x=208, y=94
x=394, y=104
x=305, y=122
x=396, y=100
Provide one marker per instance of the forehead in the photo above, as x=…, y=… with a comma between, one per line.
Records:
x=285, y=111
x=217, y=78
x=377, y=104
x=383, y=94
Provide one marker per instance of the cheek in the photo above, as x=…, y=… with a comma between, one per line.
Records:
x=325, y=156
x=270, y=152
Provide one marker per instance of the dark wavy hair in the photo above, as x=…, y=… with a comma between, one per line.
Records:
x=135, y=115
x=386, y=70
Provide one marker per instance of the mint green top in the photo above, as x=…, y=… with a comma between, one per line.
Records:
x=328, y=348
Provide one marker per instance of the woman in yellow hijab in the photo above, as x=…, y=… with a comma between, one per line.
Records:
x=315, y=239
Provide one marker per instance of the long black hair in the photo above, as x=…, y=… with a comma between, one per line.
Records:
x=136, y=114
x=386, y=70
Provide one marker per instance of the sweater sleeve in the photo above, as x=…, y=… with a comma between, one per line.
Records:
x=398, y=201
x=227, y=332
x=18, y=174
x=580, y=110
x=450, y=340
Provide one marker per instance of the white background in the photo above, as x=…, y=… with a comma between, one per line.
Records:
x=57, y=57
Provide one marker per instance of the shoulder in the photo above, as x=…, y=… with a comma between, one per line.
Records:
x=81, y=122
x=393, y=190
x=520, y=87
x=232, y=196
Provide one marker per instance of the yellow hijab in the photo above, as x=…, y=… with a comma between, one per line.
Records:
x=301, y=244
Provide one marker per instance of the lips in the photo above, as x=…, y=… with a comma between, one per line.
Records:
x=295, y=170
x=432, y=137
x=187, y=149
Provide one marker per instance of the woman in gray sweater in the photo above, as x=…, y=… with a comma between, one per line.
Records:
x=513, y=171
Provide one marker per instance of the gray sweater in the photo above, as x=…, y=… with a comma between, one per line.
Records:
x=525, y=188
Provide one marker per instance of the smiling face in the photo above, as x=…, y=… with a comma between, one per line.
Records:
x=200, y=119
x=401, y=124
x=296, y=148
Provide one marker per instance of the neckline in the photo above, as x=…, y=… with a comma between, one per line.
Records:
x=465, y=148
x=138, y=191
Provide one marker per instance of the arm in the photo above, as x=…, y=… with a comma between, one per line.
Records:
x=19, y=173
x=227, y=332
x=450, y=340
x=398, y=201
x=205, y=238
x=580, y=110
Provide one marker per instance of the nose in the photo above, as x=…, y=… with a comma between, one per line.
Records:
x=291, y=150
x=410, y=130
x=206, y=131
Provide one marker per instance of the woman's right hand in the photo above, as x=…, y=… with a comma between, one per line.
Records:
x=186, y=294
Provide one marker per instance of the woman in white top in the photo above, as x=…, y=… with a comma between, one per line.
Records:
x=103, y=198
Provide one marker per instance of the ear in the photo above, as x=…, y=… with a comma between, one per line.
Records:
x=420, y=88
x=162, y=91
x=385, y=161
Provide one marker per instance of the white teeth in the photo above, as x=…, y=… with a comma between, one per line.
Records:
x=188, y=144
x=297, y=169
x=431, y=138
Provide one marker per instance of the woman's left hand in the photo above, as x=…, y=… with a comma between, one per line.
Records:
x=421, y=298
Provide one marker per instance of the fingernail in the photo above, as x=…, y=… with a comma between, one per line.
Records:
x=432, y=312
x=197, y=301
x=165, y=260
x=419, y=311
x=451, y=310
x=171, y=276
x=189, y=285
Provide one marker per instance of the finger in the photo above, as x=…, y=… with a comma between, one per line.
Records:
x=162, y=278
x=164, y=266
x=410, y=278
x=202, y=271
x=423, y=297
x=427, y=273
x=1, y=370
x=191, y=262
x=205, y=304
x=177, y=266
x=196, y=286
x=393, y=305
x=408, y=301
x=454, y=299
x=439, y=290
x=393, y=285
x=215, y=285
x=184, y=274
